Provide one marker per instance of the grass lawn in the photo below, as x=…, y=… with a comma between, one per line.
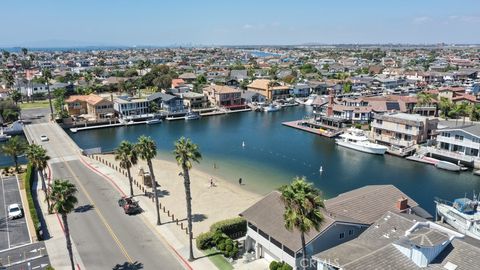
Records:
x=39, y=104
x=218, y=259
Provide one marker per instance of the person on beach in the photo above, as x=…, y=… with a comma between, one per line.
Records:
x=211, y=182
x=240, y=181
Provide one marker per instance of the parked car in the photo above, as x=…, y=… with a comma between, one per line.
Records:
x=14, y=211
x=44, y=138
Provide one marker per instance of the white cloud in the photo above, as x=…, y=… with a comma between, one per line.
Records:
x=422, y=19
x=465, y=18
x=247, y=26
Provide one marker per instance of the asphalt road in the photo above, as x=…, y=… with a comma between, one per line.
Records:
x=12, y=232
x=33, y=255
x=105, y=237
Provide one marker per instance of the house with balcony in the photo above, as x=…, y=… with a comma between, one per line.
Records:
x=131, y=108
x=89, y=106
x=193, y=100
x=458, y=143
x=270, y=89
x=401, y=132
x=403, y=241
x=166, y=102
x=224, y=96
x=345, y=217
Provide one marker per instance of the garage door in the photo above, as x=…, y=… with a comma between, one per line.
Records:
x=269, y=256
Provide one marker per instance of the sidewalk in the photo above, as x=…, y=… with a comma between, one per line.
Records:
x=169, y=232
x=56, y=243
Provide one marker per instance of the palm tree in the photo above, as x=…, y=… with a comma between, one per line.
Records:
x=186, y=153
x=445, y=106
x=37, y=155
x=47, y=76
x=15, y=147
x=474, y=112
x=147, y=150
x=463, y=109
x=424, y=98
x=127, y=155
x=9, y=78
x=302, y=208
x=63, y=200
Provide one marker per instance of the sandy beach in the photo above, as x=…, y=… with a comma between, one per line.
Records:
x=209, y=203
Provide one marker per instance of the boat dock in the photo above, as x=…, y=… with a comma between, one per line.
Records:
x=302, y=125
x=210, y=113
x=74, y=130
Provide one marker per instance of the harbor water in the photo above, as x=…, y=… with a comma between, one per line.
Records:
x=265, y=154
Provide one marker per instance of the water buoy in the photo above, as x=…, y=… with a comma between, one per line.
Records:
x=243, y=144
x=321, y=169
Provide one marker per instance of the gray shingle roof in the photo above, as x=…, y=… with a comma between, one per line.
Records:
x=267, y=215
x=367, y=204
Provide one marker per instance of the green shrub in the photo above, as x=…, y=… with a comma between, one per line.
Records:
x=205, y=240
x=233, y=228
x=274, y=265
x=49, y=268
x=219, y=237
x=29, y=177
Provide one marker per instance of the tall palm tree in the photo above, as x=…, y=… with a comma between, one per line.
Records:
x=127, y=155
x=147, y=150
x=302, y=208
x=37, y=155
x=445, y=106
x=186, y=153
x=463, y=109
x=47, y=76
x=15, y=147
x=424, y=98
x=63, y=199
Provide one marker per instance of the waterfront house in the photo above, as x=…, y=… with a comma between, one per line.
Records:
x=89, y=106
x=301, y=90
x=192, y=100
x=251, y=96
x=401, y=131
x=166, y=102
x=224, y=96
x=270, y=89
x=458, y=143
x=129, y=107
x=345, y=217
x=403, y=241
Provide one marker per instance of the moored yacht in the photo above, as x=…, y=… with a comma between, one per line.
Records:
x=192, y=115
x=462, y=214
x=271, y=108
x=355, y=139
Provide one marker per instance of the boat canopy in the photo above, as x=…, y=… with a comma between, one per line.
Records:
x=465, y=205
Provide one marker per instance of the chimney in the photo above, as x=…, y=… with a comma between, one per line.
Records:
x=330, y=103
x=402, y=204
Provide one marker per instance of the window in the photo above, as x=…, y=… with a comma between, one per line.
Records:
x=253, y=227
x=288, y=251
x=262, y=233
x=342, y=235
x=408, y=127
x=379, y=121
x=446, y=134
x=476, y=140
x=275, y=242
x=350, y=232
x=459, y=137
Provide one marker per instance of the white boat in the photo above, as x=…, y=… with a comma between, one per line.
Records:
x=271, y=108
x=192, y=116
x=462, y=214
x=449, y=166
x=153, y=121
x=355, y=139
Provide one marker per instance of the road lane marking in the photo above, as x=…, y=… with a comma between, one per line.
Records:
x=102, y=218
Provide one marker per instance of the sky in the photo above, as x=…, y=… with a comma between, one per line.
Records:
x=52, y=23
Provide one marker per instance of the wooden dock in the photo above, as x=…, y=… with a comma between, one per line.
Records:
x=211, y=113
x=74, y=130
x=300, y=124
